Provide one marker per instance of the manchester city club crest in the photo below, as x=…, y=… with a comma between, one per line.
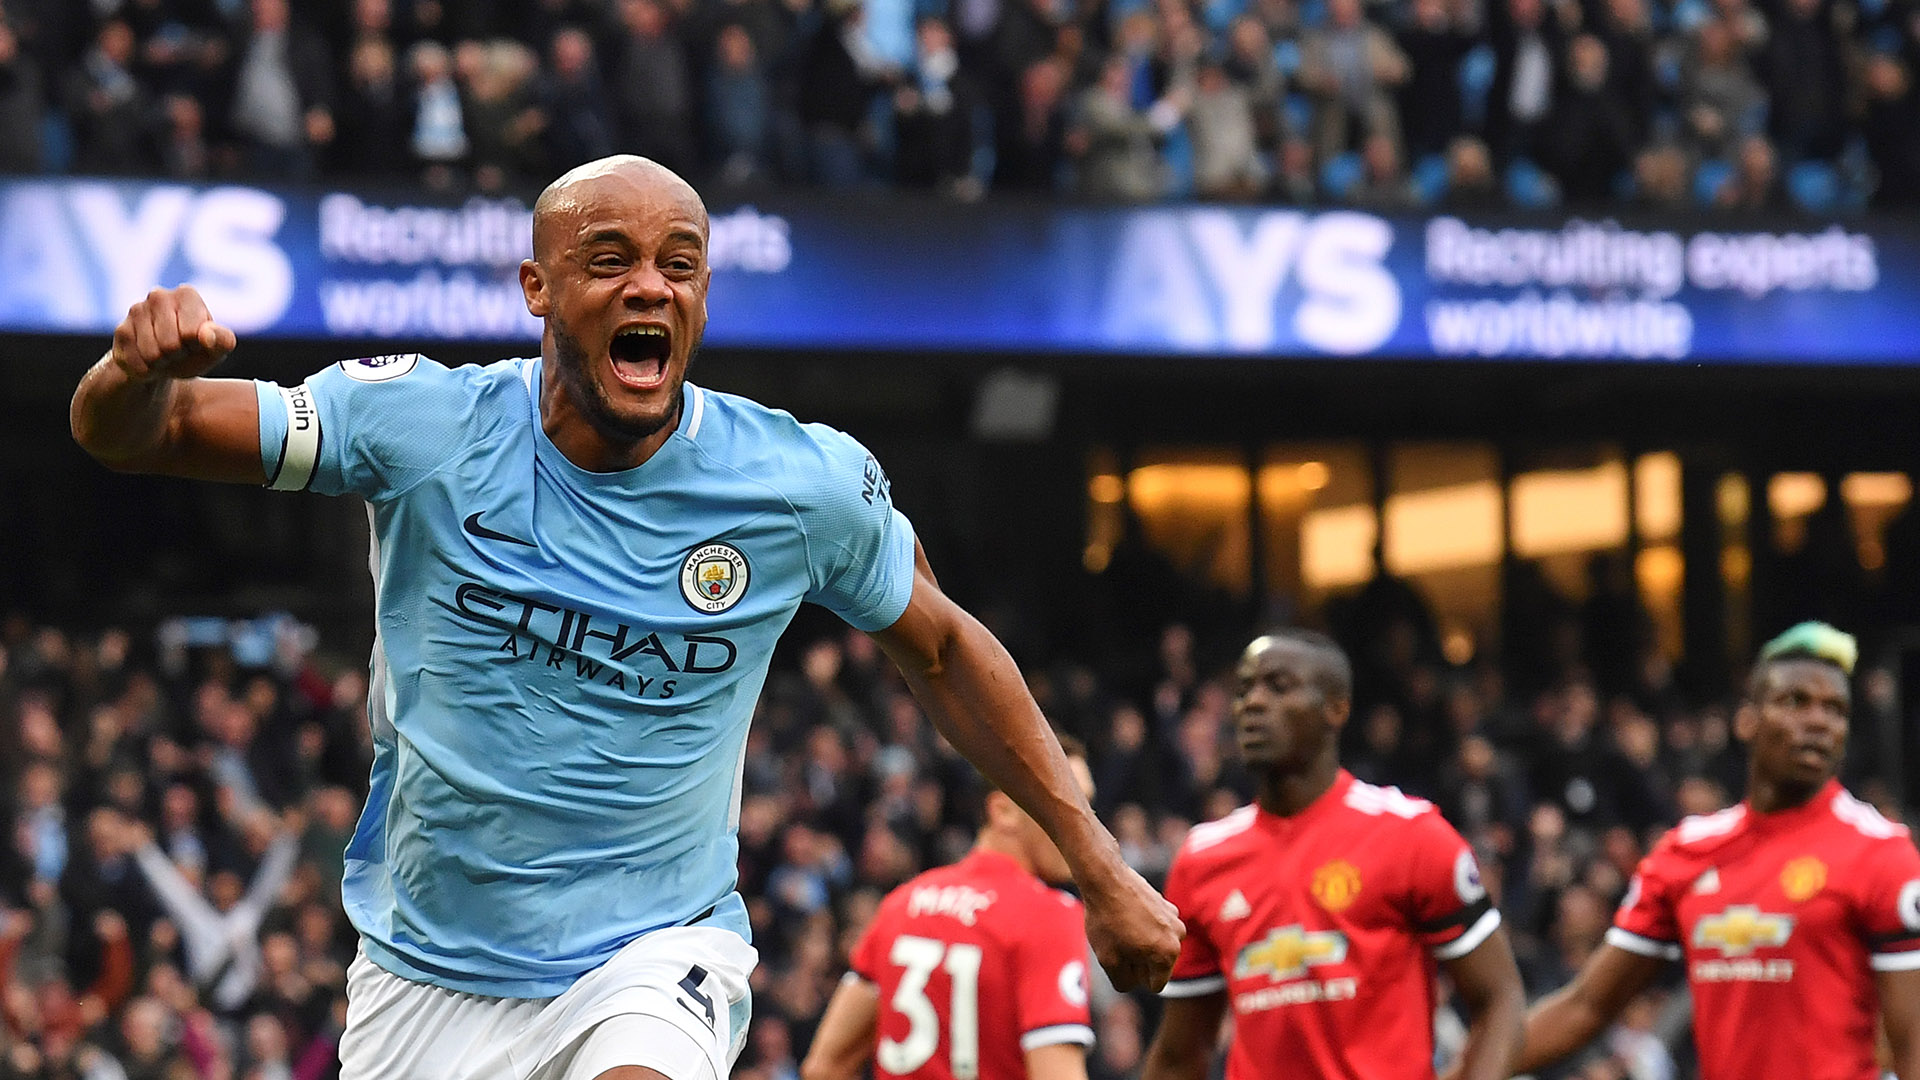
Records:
x=714, y=577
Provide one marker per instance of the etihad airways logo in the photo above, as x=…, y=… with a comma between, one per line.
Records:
x=633, y=659
x=1288, y=952
x=1741, y=929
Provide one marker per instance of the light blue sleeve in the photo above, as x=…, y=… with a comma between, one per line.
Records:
x=273, y=427
x=380, y=425
x=859, y=548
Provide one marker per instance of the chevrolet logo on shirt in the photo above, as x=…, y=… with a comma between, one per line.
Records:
x=1741, y=929
x=1288, y=952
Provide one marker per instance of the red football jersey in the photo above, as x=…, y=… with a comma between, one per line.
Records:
x=1782, y=919
x=976, y=963
x=1322, y=928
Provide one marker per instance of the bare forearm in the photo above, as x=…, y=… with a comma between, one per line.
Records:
x=1560, y=1024
x=975, y=695
x=1493, y=1039
x=116, y=419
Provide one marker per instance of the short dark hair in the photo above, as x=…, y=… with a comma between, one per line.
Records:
x=1333, y=672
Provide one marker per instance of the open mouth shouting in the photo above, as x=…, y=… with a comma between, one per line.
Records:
x=639, y=352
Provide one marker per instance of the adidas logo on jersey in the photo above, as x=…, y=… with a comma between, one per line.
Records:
x=1708, y=882
x=1235, y=907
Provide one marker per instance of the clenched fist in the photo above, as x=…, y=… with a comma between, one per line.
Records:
x=169, y=335
x=1134, y=931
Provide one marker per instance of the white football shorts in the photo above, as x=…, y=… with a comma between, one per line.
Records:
x=675, y=1000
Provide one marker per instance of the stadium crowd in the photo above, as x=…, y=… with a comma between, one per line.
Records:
x=1469, y=104
x=179, y=802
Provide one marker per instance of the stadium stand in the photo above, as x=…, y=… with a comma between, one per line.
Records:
x=1234, y=99
x=152, y=777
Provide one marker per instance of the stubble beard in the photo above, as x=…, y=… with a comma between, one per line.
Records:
x=590, y=399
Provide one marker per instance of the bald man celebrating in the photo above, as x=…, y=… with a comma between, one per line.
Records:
x=582, y=563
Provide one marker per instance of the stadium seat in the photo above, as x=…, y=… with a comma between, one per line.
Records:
x=1814, y=186
x=1529, y=187
x=1708, y=179
x=1299, y=114
x=1286, y=57
x=1178, y=154
x=1341, y=175
x=1430, y=179
x=56, y=143
x=1477, y=69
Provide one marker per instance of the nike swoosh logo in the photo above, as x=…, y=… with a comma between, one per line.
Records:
x=473, y=526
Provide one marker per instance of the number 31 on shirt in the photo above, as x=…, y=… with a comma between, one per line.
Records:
x=918, y=957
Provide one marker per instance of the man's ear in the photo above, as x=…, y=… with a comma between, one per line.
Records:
x=1746, y=720
x=533, y=284
x=1339, y=711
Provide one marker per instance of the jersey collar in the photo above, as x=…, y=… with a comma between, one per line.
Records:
x=1335, y=795
x=1820, y=803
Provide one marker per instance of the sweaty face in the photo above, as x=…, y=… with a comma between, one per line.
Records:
x=1797, y=730
x=1283, y=718
x=626, y=280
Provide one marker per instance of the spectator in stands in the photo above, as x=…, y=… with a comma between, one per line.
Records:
x=1435, y=41
x=1251, y=65
x=936, y=117
x=1527, y=45
x=502, y=119
x=108, y=105
x=579, y=128
x=1030, y=139
x=651, y=86
x=374, y=117
x=1383, y=185
x=439, y=140
x=184, y=152
x=1626, y=29
x=838, y=79
x=1721, y=102
x=739, y=106
x=1351, y=67
x=1806, y=72
x=1226, y=146
x=282, y=87
x=1892, y=128
x=220, y=932
x=1116, y=143
x=1755, y=183
x=21, y=105
x=1661, y=178
x=1471, y=184
x=1592, y=138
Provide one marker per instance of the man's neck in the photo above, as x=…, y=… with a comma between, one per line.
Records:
x=990, y=840
x=1772, y=796
x=1288, y=793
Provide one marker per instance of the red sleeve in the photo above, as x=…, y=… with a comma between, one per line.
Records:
x=1646, y=922
x=1197, y=970
x=1050, y=975
x=1888, y=904
x=1445, y=899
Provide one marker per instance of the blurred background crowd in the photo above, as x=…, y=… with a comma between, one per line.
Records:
x=1386, y=104
x=179, y=797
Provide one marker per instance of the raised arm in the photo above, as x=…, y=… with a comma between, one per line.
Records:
x=974, y=694
x=145, y=408
x=1570, y=1017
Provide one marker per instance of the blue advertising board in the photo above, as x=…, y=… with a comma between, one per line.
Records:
x=902, y=275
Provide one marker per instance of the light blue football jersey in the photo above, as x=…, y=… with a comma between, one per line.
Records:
x=566, y=662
